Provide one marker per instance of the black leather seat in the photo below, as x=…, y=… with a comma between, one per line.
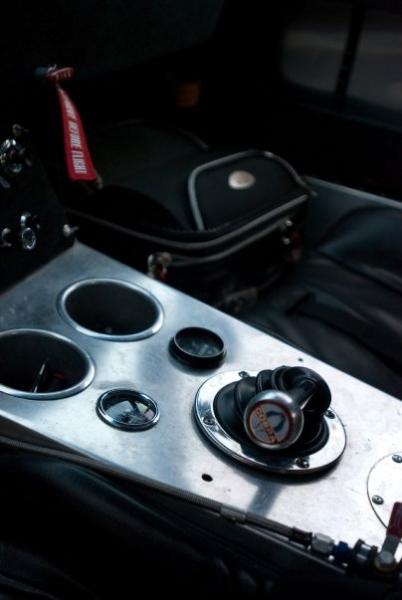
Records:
x=343, y=302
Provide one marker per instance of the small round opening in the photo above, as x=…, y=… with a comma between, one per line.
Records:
x=111, y=309
x=42, y=365
x=207, y=477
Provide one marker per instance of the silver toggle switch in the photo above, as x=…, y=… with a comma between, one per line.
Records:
x=29, y=228
x=12, y=161
x=28, y=238
x=5, y=238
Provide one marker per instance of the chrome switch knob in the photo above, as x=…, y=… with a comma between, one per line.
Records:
x=28, y=233
x=14, y=157
x=28, y=239
x=6, y=238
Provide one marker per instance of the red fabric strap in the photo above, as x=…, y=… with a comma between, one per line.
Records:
x=79, y=162
x=395, y=523
x=78, y=158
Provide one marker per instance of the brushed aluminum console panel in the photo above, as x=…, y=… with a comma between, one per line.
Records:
x=175, y=452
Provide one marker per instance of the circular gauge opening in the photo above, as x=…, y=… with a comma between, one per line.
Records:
x=128, y=410
x=198, y=347
x=111, y=309
x=42, y=365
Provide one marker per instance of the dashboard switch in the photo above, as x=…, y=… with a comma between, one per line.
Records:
x=29, y=228
x=14, y=157
x=28, y=238
x=6, y=238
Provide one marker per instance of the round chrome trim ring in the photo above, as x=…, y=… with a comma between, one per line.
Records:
x=210, y=426
x=61, y=304
x=117, y=424
x=71, y=391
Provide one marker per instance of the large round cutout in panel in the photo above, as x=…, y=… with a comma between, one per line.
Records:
x=41, y=365
x=111, y=309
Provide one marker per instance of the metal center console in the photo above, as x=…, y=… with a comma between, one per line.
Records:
x=105, y=366
x=161, y=440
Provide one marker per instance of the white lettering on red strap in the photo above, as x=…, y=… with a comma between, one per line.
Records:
x=79, y=163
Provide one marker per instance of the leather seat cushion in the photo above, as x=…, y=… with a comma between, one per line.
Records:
x=353, y=277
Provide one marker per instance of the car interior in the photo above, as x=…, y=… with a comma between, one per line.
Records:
x=201, y=292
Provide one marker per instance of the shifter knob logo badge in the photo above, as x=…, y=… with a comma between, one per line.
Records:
x=268, y=423
x=273, y=420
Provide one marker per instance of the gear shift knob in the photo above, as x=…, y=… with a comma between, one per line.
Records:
x=275, y=418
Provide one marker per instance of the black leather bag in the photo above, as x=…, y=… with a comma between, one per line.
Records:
x=206, y=213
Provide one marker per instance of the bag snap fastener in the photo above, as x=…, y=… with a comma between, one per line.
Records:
x=241, y=180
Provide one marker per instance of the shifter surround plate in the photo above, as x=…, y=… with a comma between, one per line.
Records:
x=206, y=418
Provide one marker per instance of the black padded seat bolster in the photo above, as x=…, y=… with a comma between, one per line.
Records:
x=122, y=149
x=342, y=303
x=83, y=536
x=87, y=536
x=134, y=158
x=142, y=165
x=281, y=313
x=369, y=241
